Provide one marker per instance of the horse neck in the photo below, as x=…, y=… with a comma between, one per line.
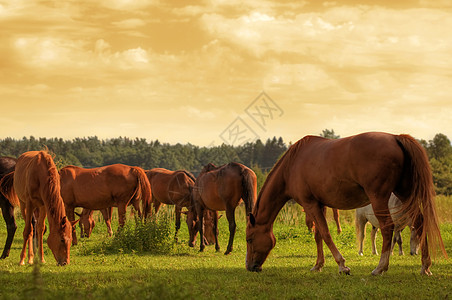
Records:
x=50, y=191
x=272, y=196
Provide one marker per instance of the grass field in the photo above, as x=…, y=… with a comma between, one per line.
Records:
x=185, y=273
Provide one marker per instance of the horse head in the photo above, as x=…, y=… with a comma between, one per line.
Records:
x=207, y=168
x=414, y=242
x=259, y=242
x=87, y=222
x=208, y=223
x=59, y=241
x=192, y=223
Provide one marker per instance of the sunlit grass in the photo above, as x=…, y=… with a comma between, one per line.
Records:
x=185, y=273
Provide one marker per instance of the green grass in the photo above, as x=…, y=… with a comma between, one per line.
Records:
x=96, y=272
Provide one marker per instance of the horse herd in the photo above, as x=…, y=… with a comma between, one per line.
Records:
x=390, y=174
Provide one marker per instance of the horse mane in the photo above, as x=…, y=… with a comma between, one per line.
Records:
x=286, y=159
x=52, y=187
x=190, y=175
x=209, y=167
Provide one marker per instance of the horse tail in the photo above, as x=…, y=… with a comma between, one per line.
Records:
x=420, y=204
x=249, y=186
x=143, y=191
x=7, y=189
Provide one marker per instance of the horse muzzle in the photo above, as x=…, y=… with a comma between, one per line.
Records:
x=254, y=267
x=62, y=263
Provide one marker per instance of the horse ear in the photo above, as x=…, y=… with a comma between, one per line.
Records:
x=63, y=222
x=252, y=219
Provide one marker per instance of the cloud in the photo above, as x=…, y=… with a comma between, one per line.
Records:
x=129, y=23
x=128, y=4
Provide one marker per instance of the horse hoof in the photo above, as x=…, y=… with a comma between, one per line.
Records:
x=344, y=270
x=426, y=272
x=377, y=272
x=227, y=252
x=316, y=269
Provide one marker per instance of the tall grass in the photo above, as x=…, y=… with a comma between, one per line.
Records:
x=154, y=236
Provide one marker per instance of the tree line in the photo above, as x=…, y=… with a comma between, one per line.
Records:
x=91, y=152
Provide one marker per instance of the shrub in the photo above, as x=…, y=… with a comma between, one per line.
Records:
x=154, y=236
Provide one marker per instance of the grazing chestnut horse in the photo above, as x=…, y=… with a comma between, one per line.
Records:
x=100, y=188
x=222, y=188
x=208, y=224
x=7, y=165
x=173, y=188
x=348, y=173
x=36, y=183
x=366, y=214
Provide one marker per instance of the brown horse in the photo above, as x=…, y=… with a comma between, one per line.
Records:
x=209, y=228
x=173, y=188
x=100, y=188
x=36, y=183
x=222, y=188
x=7, y=165
x=348, y=173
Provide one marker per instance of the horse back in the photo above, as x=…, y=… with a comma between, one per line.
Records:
x=36, y=178
x=342, y=173
x=220, y=187
x=97, y=188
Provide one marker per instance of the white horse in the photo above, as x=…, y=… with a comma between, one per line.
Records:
x=366, y=214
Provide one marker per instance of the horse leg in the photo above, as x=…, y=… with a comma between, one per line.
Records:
x=230, y=215
x=414, y=242
x=71, y=217
x=156, y=204
x=425, y=258
x=360, y=223
x=319, y=243
x=336, y=219
x=200, y=212
x=397, y=239
x=106, y=213
x=381, y=210
x=8, y=215
x=309, y=222
x=215, y=230
x=373, y=239
x=316, y=211
x=122, y=208
x=27, y=234
x=177, y=211
x=136, y=205
x=40, y=232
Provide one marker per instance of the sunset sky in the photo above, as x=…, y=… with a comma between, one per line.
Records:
x=195, y=71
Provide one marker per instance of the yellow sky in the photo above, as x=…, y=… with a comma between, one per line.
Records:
x=194, y=71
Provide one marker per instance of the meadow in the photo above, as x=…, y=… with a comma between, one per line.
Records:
x=181, y=272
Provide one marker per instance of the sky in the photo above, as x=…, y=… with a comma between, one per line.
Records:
x=224, y=71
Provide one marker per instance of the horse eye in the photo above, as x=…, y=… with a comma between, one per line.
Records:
x=249, y=241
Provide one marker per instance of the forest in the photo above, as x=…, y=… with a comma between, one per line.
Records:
x=91, y=152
